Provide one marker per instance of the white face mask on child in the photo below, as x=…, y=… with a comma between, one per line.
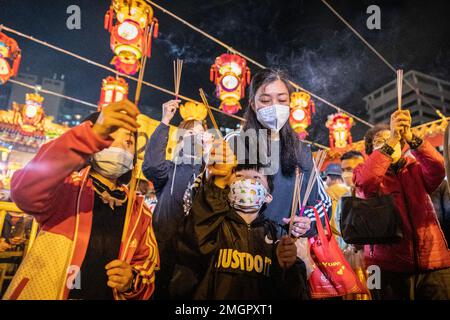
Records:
x=247, y=195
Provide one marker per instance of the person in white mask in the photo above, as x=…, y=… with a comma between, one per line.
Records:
x=75, y=187
x=269, y=99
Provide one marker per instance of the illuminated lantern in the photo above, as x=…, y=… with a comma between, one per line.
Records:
x=302, y=108
x=113, y=90
x=339, y=125
x=131, y=36
x=193, y=111
x=231, y=75
x=10, y=57
x=29, y=117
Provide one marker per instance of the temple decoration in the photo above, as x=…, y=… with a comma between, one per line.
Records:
x=29, y=117
x=302, y=109
x=113, y=90
x=10, y=57
x=339, y=125
x=132, y=33
x=231, y=75
x=193, y=111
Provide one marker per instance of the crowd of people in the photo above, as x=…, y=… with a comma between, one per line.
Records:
x=222, y=225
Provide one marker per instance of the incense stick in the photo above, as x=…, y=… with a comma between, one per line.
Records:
x=177, y=70
x=399, y=88
x=211, y=115
x=294, y=203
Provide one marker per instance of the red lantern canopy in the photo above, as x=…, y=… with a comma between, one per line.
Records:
x=231, y=75
x=113, y=90
x=131, y=36
x=10, y=57
x=302, y=108
x=339, y=125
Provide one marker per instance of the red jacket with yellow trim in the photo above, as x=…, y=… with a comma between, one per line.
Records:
x=56, y=189
x=423, y=246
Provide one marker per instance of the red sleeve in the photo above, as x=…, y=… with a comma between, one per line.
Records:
x=145, y=262
x=369, y=175
x=432, y=167
x=36, y=186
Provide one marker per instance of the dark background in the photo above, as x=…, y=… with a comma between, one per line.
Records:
x=303, y=37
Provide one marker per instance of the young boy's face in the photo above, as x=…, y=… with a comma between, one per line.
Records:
x=252, y=202
x=250, y=174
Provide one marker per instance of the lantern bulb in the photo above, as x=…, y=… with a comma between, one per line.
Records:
x=299, y=115
x=31, y=111
x=128, y=31
x=230, y=82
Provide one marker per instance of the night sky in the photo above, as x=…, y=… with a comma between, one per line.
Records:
x=302, y=37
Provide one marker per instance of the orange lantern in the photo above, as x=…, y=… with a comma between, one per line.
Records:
x=131, y=36
x=29, y=117
x=113, y=90
x=231, y=75
x=302, y=108
x=339, y=125
x=10, y=57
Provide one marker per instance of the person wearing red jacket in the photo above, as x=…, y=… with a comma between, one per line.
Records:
x=75, y=189
x=417, y=267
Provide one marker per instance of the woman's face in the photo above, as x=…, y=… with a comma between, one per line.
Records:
x=275, y=92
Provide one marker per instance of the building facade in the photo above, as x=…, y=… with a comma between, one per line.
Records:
x=381, y=103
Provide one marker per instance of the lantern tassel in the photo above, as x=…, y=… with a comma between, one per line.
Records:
x=156, y=28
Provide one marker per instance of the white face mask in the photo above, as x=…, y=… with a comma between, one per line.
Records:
x=112, y=162
x=273, y=117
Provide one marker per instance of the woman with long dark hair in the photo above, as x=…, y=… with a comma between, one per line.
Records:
x=269, y=99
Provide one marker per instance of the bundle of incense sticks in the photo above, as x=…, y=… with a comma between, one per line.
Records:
x=177, y=69
x=297, y=201
x=399, y=88
x=211, y=115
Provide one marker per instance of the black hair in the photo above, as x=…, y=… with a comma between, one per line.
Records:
x=257, y=167
x=351, y=154
x=126, y=177
x=370, y=135
x=289, y=142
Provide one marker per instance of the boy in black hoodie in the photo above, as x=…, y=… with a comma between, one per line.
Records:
x=243, y=257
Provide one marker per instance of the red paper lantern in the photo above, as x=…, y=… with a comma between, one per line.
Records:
x=131, y=35
x=231, y=75
x=302, y=108
x=113, y=90
x=339, y=125
x=10, y=57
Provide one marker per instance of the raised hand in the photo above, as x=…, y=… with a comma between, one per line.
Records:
x=116, y=115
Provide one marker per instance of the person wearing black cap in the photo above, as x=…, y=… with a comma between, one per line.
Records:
x=75, y=188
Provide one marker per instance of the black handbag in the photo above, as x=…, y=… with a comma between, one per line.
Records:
x=370, y=221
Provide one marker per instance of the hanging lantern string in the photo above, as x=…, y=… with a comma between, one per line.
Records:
x=399, y=88
x=230, y=49
x=33, y=87
x=211, y=115
x=379, y=55
x=177, y=69
x=114, y=71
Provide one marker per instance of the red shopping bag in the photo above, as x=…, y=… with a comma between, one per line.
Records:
x=333, y=275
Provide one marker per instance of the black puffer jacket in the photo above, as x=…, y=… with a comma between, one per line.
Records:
x=239, y=259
